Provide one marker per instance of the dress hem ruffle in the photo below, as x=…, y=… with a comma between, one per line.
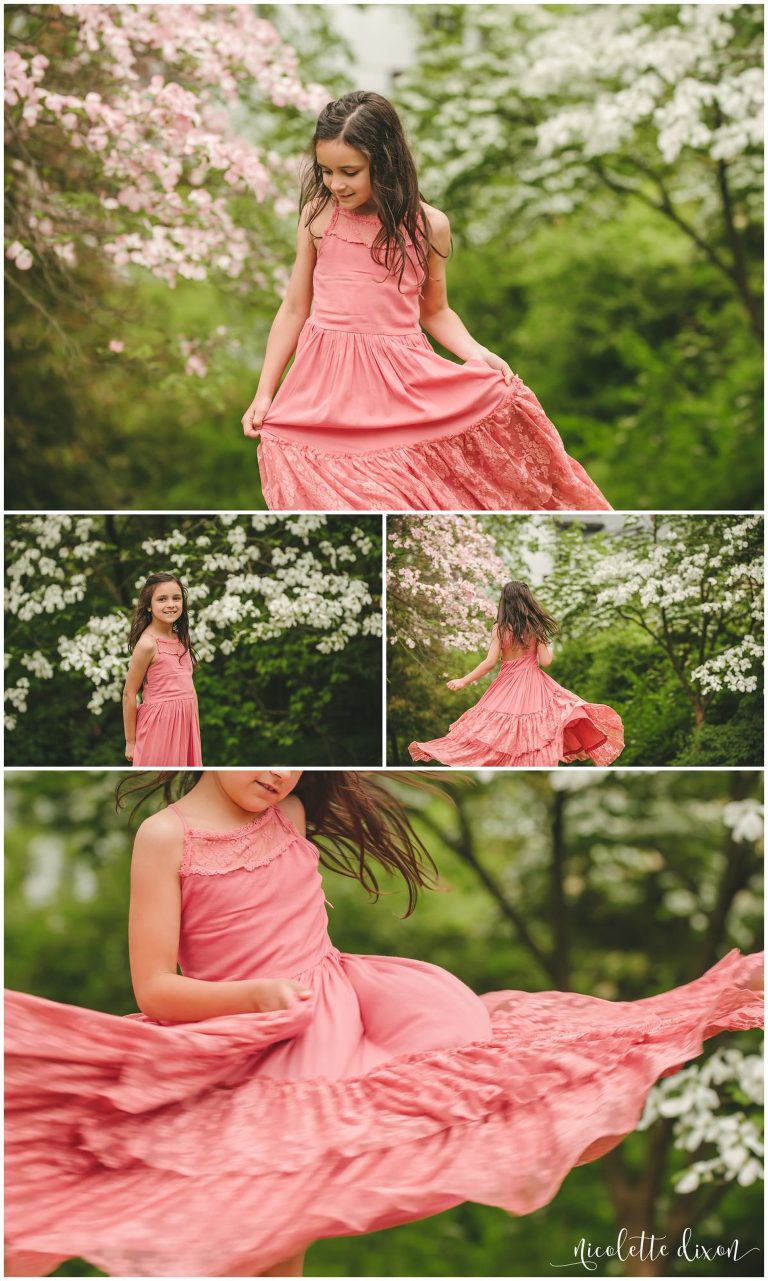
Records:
x=511, y=459
x=499, y=1122
x=543, y=738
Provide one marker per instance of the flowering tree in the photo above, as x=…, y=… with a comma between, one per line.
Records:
x=444, y=577
x=660, y=104
x=253, y=583
x=605, y=862
x=692, y=584
x=130, y=137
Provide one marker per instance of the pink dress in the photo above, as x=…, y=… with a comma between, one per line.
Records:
x=526, y=718
x=370, y=418
x=167, y=724
x=394, y=1093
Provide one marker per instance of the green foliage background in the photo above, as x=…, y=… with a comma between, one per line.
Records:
x=280, y=701
x=620, y=936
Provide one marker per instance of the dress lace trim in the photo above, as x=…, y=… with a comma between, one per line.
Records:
x=254, y=845
x=356, y=229
x=172, y=641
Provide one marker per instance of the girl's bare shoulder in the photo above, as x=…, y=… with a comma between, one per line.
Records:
x=314, y=221
x=438, y=225
x=145, y=644
x=294, y=811
x=160, y=838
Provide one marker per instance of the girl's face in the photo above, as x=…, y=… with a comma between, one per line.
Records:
x=167, y=602
x=346, y=174
x=256, y=790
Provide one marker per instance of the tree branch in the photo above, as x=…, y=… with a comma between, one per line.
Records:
x=71, y=349
x=735, y=273
x=464, y=847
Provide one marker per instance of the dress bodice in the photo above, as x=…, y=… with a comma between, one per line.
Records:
x=169, y=675
x=354, y=292
x=252, y=902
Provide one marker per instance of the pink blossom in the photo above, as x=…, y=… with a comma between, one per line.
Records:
x=444, y=577
x=19, y=256
x=196, y=365
x=152, y=138
x=116, y=344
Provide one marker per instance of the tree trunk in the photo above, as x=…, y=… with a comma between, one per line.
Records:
x=740, y=272
x=736, y=867
x=557, y=877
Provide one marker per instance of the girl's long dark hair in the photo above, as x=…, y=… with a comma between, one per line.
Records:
x=356, y=821
x=142, y=614
x=370, y=124
x=522, y=617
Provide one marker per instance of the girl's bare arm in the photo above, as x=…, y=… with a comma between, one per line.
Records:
x=286, y=327
x=482, y=669
x=154, y=925
x=436, y=316
x=141, y=658
x=544, y=654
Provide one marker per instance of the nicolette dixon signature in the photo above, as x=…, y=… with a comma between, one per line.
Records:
x=649, y=1247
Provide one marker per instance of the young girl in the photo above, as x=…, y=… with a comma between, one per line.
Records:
x=524, y=717
x=369, y=416
x=164, y=729
x=276, y=1090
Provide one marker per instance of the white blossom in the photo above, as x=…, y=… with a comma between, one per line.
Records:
x=38, y=664
x=745, y=820
x=307, y=581
x=695, y=1097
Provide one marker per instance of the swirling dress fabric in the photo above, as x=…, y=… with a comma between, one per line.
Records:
x=370, y=418
x=167, y=723
x=525, y=718
x=155, y=1149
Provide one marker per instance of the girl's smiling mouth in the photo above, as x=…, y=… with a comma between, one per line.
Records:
x=268, y=787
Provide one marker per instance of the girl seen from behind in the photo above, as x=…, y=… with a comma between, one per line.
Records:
x=524, y=717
